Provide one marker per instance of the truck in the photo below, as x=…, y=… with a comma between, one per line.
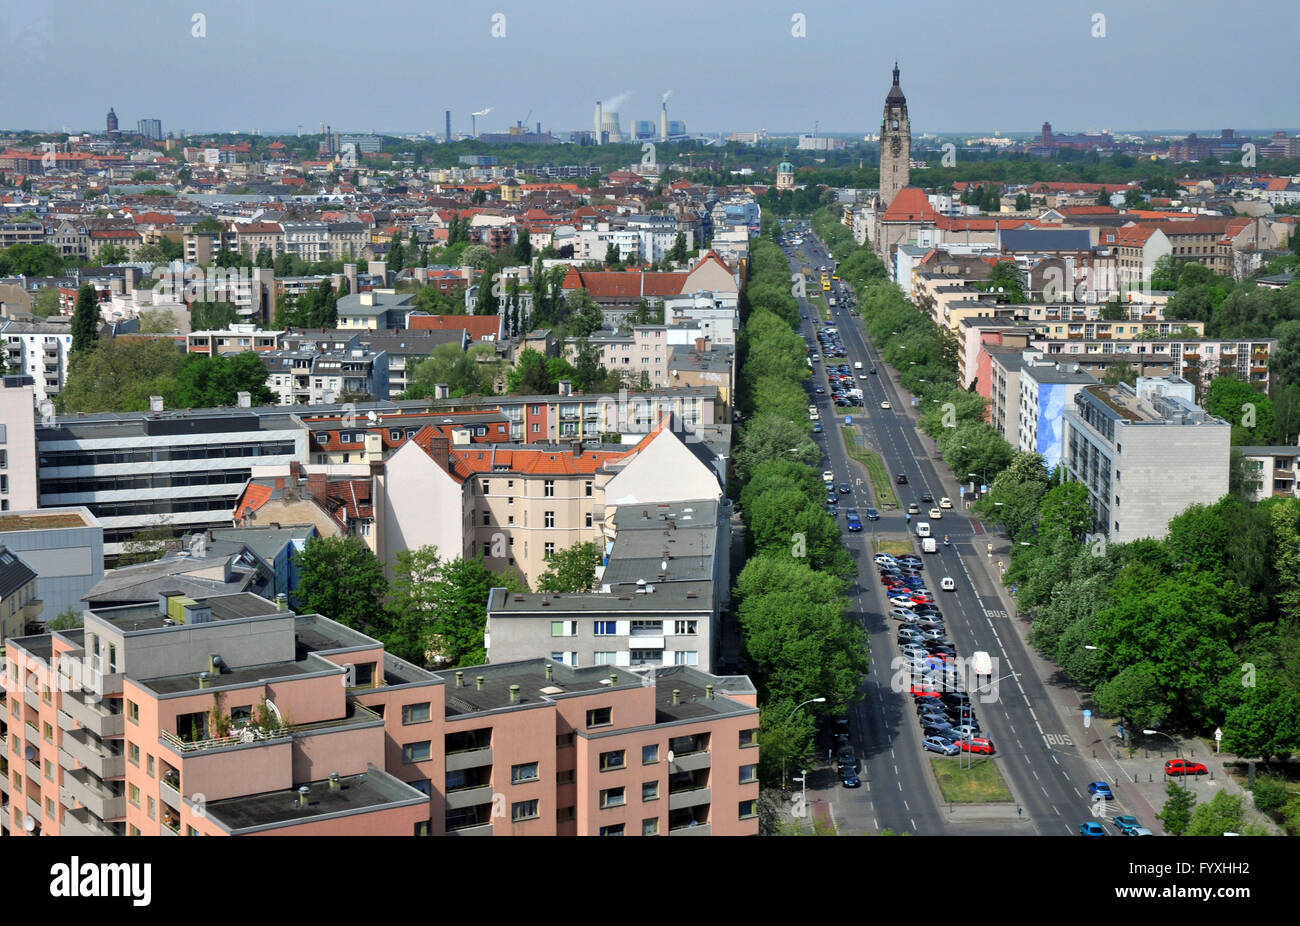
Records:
x=928, y=546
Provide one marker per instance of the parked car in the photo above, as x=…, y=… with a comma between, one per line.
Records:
x=1091, y=828
x=1101, y=788
x=940, y=745
x=1185, y=767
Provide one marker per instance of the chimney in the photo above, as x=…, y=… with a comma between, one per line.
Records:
x=302, y=795
x=335, y=783
x=677, y=695
x=440, y=450
x=478, y=683
x=155, y=403
x=245, y=399
x=566, y=387
x=460, y=679
x=514, y=694
x=316, y=485
x=203, y=680
x=708, y=692
x=441, y=391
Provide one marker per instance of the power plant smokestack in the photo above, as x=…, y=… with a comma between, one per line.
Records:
x=598, y=122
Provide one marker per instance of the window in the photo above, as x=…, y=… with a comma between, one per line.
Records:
x=650, y=754
x=523, y=810
x=133, y=795
x=548, y=518
x=526, y=771
x=615, y=829
x=548, y=550
x=587, y=488
x=133, y=753
x=748, y=774
x=600, y=717
x=605, y=628
x=415, y=713
x=149, y=763
x=132, y=711
x=649, y=790
x=548, y=488
x=685, y=627
x=615, y=759
x=650, y=827
x=565, y=777
x=748, y=809
x=748, y=738
x=415, y=752
x=613, y=797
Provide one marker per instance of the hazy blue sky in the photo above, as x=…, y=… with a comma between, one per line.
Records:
x=395, y=65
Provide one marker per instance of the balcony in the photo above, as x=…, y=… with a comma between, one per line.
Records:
x=94, y=715
x=469, y=797
x=100, y=800
x=82, y=822
x=80, y=746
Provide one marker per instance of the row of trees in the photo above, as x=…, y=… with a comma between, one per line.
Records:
x=1198, y=630
x=790, y=599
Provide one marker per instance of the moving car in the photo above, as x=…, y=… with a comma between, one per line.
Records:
x=1101, y=788
x=1125, y=822
x=1185, y=767
x=1091, y=828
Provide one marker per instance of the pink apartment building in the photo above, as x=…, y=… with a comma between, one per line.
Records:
x=226, y=716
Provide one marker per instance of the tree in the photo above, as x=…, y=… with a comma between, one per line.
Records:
x=1176, y=815
x=86, y=320
x=571, y=570
x=342, y=579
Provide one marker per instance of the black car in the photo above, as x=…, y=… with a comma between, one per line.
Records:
x=873, y=514
x=901, y=479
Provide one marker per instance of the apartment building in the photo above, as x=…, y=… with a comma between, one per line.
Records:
x=138, y=470
x=224, y=715
x=1145, y=454
x=1047, y=389
x=64, y=546
x=1197, y=359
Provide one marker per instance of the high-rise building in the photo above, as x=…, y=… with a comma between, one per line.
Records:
x=895, y=144
x=151, y=129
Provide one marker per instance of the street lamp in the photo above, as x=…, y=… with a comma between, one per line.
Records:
x=819, y=700
x=1177, y=751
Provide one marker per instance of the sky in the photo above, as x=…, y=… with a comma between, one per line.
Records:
x=394, y=66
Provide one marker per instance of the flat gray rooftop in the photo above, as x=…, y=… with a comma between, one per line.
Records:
x=370, y=790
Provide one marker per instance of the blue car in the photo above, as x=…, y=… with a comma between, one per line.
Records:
x=1091, y=829
x=1102, y=789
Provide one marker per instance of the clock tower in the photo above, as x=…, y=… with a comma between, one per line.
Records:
x=895, y=144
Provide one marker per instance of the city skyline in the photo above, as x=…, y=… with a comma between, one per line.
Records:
x=798, y=73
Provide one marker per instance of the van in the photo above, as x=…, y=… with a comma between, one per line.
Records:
x=923, y=528
x=857, y=364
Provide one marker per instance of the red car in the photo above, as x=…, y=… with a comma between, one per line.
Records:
x=976, y=744
x=1184, y=767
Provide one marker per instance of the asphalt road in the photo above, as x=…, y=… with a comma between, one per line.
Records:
x=1046, y=772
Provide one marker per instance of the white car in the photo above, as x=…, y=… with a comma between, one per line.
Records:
x=935, y=514
x=885, y=405
x=947, y=584
x=828, y=476
x=945, y=502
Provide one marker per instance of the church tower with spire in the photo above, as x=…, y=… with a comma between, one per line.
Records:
x=895, y=144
